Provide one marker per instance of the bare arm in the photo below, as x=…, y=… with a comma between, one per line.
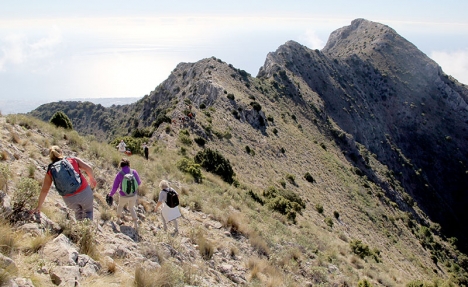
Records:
x=44, y=191
x=157, y=206
x=89, y=171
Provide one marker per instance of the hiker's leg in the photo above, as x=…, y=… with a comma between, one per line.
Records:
x=176, y=226
x=131, y=205
x=81, y=204
x=87, y=203
x=164, y=222
x=122, y=202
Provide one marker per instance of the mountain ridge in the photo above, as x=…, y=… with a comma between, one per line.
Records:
x=361, y=106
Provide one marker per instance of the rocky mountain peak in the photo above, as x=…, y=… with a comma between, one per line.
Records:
x=374, y=124
x=393, y=99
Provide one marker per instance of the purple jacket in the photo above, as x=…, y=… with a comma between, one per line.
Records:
x=118, y=181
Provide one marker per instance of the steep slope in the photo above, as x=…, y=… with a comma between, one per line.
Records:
x=343, y=120
x=394, y=100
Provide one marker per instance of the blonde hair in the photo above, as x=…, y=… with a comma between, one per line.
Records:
x=164, y=184
x=55, y=153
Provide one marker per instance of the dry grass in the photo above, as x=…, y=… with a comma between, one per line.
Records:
x=293, y=256
x=111, y=267
x=167, y=275
x=356, y=262
x=6, y=273
x=242, y=215
x=8, y=240
x=263, y=273
x=106, y=213
x=4, y=155
x=205, y=247
x=143, y=190
x=147, y=206
x=36, y=243
x=232, y=224
x=192, y=274
x=259, y=244
x=5, y=175
x=15, y=137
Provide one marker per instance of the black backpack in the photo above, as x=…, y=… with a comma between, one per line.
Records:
x=172, y=199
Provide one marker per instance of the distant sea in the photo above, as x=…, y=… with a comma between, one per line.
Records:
x=25, y=106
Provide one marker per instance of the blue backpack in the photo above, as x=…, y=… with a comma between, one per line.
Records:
x=66, y=179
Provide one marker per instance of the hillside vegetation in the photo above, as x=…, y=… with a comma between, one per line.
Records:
x=347, y=232
x=330, y=167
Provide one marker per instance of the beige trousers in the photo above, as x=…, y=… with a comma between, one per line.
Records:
x=130, y=201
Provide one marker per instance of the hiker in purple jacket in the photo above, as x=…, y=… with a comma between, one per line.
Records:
x=125, y=199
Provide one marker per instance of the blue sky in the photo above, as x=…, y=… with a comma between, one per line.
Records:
x=60, y=50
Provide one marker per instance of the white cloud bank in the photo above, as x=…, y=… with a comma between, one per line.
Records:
x=33, y=54
x=312, y=40
x=453, y=63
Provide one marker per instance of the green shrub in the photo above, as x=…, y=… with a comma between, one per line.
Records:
x=364, y=283
x=202, y=106
x=284, y=206
x=275, y=131
x=133, y=144
x=282, y=183
x=200, y=141
x=362, y=250
x=256, y=106
x=235, y=114
x=249, y=150
x=319, y=208
x=61, y=120
x=188, y=166
x=231, y=97
x=24, y=199
x=359, y=248
x=291, y=178
x=270, y=119
x=184, y=137
x=418, y=283
x=212, y=161
x=283, y=201
x=336, y=214
x=142, y=132
x=161, y=118
x=328, y=221
x=309, y=177
x=256, y=197
x=272, y=192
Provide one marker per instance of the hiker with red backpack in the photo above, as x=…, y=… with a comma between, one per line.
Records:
x=65, y=173
x=169, y=199
x=127, y=182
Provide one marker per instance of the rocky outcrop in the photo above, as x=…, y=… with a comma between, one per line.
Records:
x=393, y=99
